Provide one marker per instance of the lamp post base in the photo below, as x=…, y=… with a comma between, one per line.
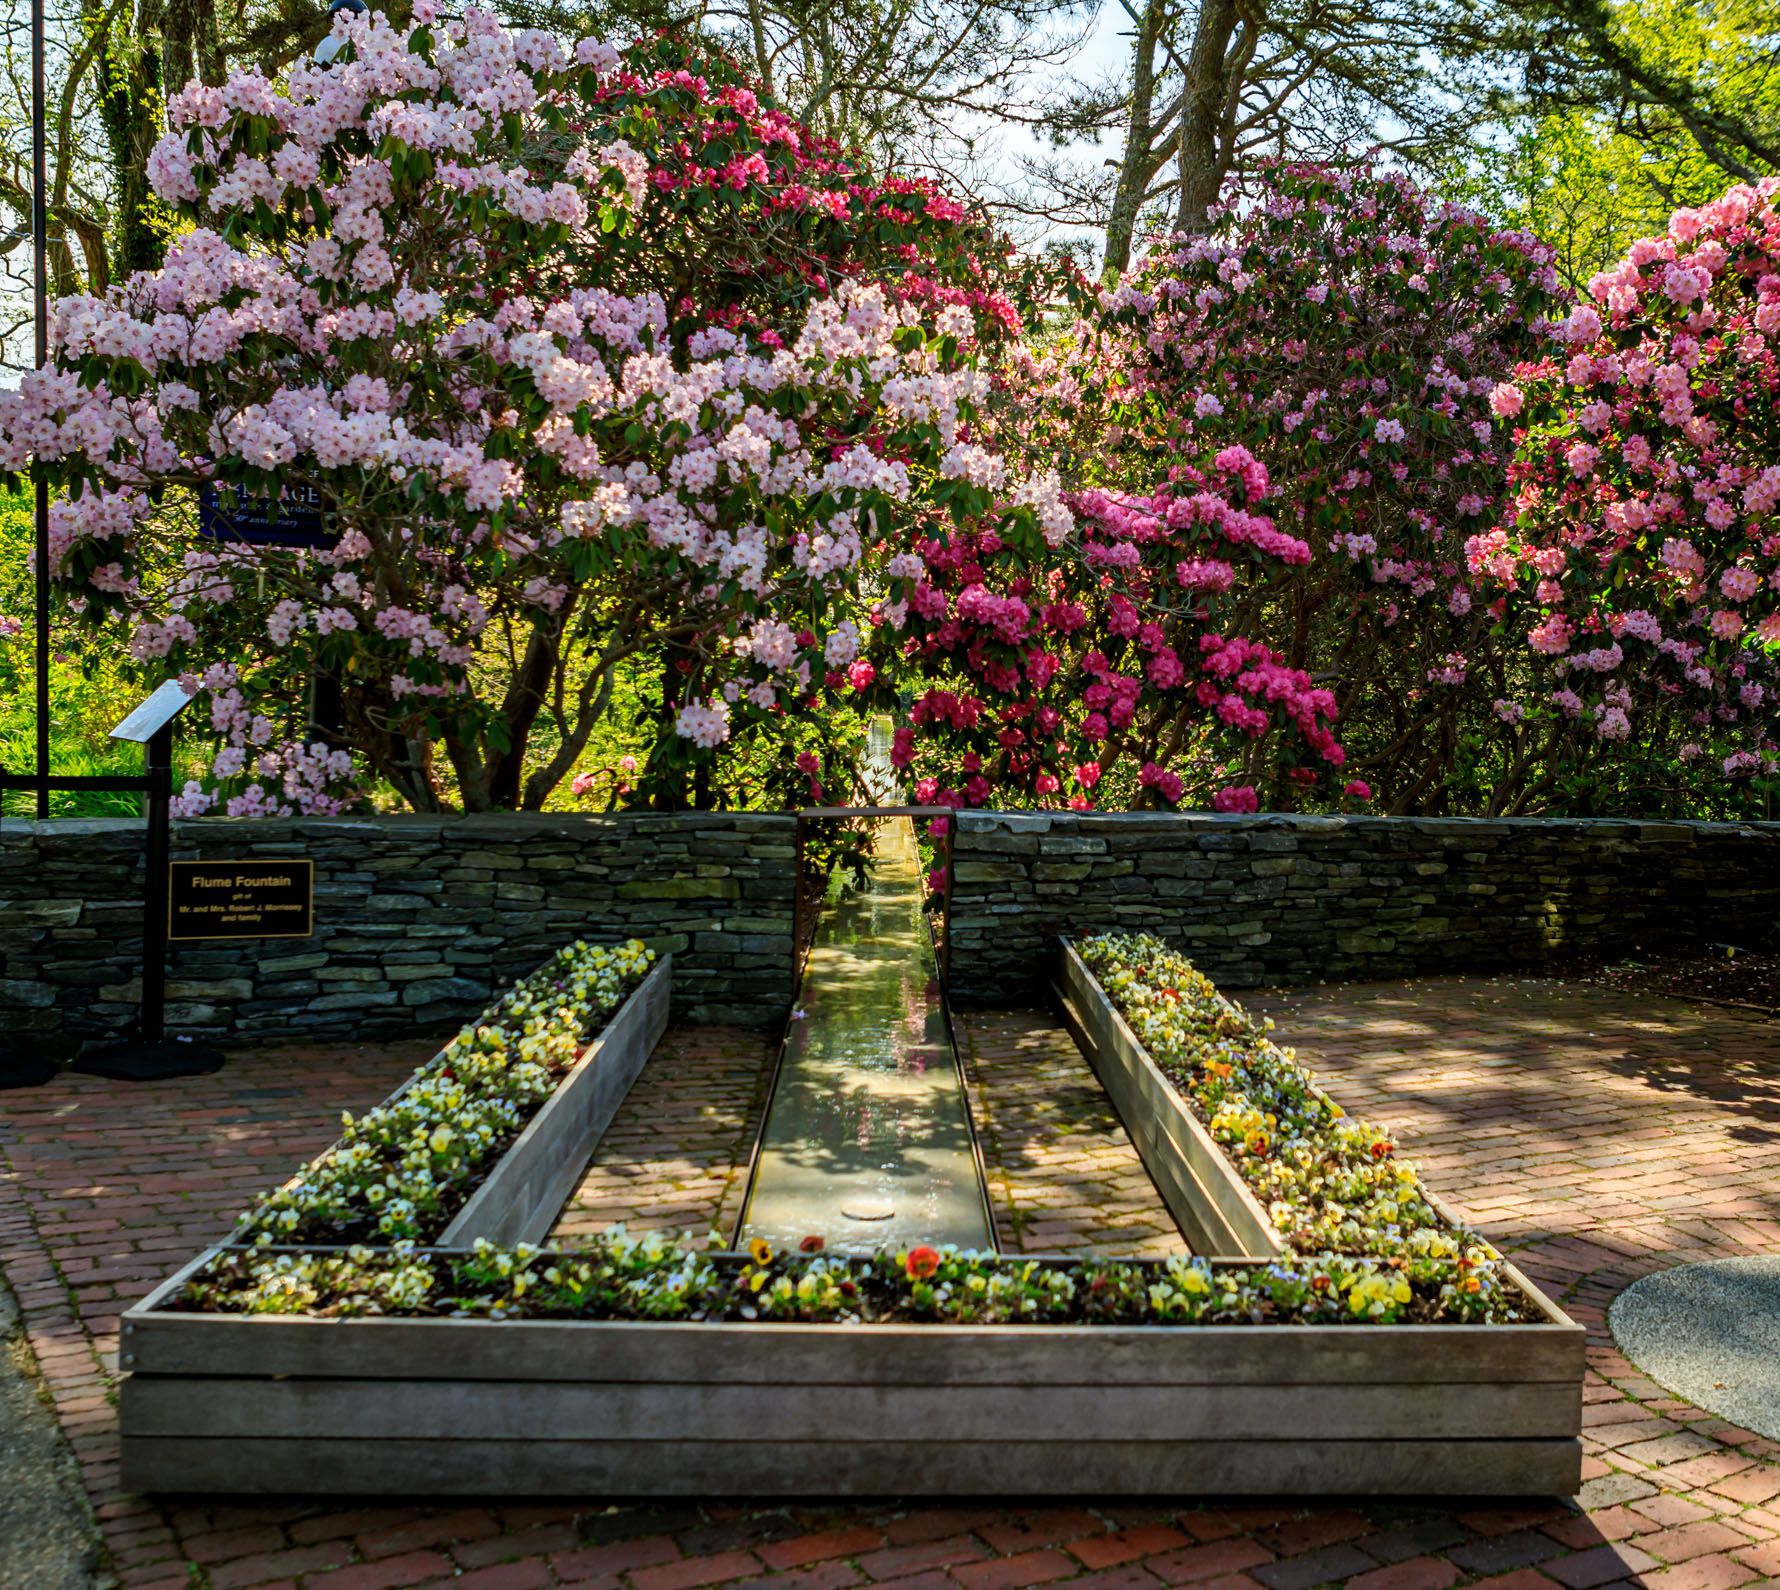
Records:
x=21, y=1070
x=134, y=1060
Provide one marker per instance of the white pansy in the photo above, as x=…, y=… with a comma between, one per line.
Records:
x=401, y=1169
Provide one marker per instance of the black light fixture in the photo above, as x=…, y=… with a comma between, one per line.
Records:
x=40, y=292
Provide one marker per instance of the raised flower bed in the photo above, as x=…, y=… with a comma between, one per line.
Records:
x=486, y=1139
x=1214, y=1208
x=638, y=1368
x=1159, y=1033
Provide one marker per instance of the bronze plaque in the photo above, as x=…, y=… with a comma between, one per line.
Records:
x=241, y=900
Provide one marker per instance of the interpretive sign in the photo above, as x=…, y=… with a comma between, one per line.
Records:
x=294, y=520
x=154, y=714
x=241, y=900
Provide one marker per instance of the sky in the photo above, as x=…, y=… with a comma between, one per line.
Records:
x=1105, y=51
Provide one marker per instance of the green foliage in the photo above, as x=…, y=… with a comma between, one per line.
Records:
x=90, y=690
x=1590, y=178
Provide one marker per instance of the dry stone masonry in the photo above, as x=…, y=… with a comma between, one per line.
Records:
x=1288, y=899
x=418, y=919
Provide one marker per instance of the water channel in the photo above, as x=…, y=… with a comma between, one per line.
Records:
x=867, y=1139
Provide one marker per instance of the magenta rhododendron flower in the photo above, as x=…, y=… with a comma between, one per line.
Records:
x=1236, y=798
x=1331, y=359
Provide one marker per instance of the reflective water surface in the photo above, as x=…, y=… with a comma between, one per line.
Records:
x=867, y=1140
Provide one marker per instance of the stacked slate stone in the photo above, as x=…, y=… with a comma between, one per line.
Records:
x=417, y=920
x=1289, y=899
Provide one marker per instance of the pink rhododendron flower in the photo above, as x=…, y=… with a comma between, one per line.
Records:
x=1739, y=584
x=1164, y=783
x=703, y=723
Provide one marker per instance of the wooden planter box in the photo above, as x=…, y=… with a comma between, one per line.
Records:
x=281, y=1405
x=524, y=1194
x=533, y=1408
x=1208, y=1198
x=1210, y=1202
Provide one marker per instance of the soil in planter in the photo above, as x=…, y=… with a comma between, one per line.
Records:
x=867, y=1140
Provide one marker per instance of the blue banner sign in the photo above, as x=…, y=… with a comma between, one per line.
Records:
x=294, y=520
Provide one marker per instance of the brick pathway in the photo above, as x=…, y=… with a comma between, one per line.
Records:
x=675, y=1157
x=1063, y=1176
x=1599, y=1134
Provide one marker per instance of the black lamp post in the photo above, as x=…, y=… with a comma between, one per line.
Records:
x=40, y=289
x=149, y=1054
x=324, y=52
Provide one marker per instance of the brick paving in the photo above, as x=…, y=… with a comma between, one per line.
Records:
x=1599, y=1135
x=676, y=1154
x=1063, y=1176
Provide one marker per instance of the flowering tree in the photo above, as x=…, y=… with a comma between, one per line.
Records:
x=1346, y=331
x=1639, y=553
x=751, y=216
x=625, y=395
x=531, y=481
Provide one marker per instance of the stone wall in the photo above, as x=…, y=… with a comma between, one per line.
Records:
x=1281, y=899
x=417, y=919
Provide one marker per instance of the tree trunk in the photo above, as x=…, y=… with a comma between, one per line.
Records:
x=129, y=93
x=524, y=700
x=1135, y=165
x=1202, y=170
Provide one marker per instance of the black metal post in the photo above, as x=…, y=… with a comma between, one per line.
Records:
x=40, y=253
x=159, y=769
x=150, y=1055
x=147, y=1054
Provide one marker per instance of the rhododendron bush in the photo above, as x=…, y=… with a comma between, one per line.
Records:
x=1551, y=589
x=1087, y=678
x=627, y=400
x=1346, y=330
x=394, y=294
x=751, y=215
x=1639, y=553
